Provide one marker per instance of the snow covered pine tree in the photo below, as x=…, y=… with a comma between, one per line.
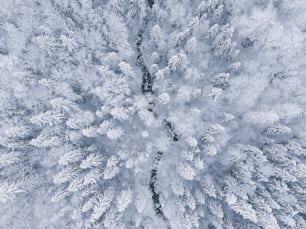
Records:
x=152, y=114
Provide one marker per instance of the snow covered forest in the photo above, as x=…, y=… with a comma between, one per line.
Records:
x=153, y=114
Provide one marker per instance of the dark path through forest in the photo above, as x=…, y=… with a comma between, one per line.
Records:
x=147, y=88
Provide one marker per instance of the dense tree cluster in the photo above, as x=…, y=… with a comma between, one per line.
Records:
x=152, y=114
